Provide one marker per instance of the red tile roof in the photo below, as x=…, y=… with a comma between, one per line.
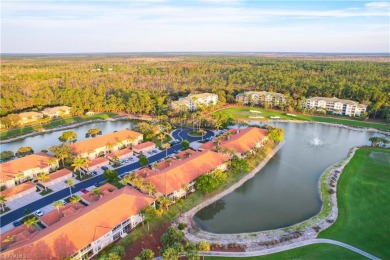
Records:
x=144, y=145
x=89, y=145
x=9, y=169
x=98, y=161
x=58, y=174
x=18, y=234
x=17, y=189
x=73, y=233
x=91, y=197
x=119, y=153
x=54, y=216
x=185, y=171
x=241, y=142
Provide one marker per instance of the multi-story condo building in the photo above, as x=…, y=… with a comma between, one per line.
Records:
x=239, y=141
x=193, y=101
x=260, y=97
x=82, y=232
x=101, y=145
x=171, y=176
x=27, y=167
x=336, y=106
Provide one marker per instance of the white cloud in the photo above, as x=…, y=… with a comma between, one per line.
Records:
x=378, y=5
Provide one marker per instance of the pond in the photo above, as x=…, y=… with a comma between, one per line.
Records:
x=44, y=141
x=285, y=191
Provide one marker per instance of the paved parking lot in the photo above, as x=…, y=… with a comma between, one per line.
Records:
x=152, y=152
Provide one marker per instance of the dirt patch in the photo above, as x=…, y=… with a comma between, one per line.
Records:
x=151, y=242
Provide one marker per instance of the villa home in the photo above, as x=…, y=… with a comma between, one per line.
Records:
x=19, y=191
x=239, y=141
x=170, y=180
x=260, y=97
x=121, y=154
x=104, y=190
x=28, y=167
x=15, y=235
x=336, y=106
x=193, y=101
x=56, y=215
x=96, y=163
x=144, y=147
x=28, y=117
x=58, y=176
x=56, y=111
x=86, y=232
x=101, y=145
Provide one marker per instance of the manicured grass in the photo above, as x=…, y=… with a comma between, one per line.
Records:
x=317, y=251
x=99, y=116
x=244, y=113
x=62, y=122
x=363, y=194
x=15, y=132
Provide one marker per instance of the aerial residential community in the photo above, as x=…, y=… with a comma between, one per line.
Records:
x=194, y=130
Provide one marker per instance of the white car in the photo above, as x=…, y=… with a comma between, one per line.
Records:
x=38, y=213
x=63, y=202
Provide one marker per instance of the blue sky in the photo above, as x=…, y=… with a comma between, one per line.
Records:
x=196, y=25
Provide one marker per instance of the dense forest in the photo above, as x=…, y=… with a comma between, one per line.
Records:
x=147, y=84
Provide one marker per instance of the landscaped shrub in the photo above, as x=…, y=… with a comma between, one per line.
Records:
x=181, y=226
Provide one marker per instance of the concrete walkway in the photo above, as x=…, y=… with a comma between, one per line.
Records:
x=286, y=247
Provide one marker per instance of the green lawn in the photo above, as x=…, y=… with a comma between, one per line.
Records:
x=317, y=251
x=244, y=113
x=363, y=194
x=29, y=129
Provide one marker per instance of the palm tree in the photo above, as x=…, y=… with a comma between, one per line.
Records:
x=154, y=165
x=166, y=146
x=168, y=162
x=43, y=177
x=161, y=138
x=218, y=125
x=96, y=191
x=149, y=188
x=164, y=201
x=31, y=221
x=53, y=162
x=9, y=239
x=78, y=163
x=70, y=183
x=61, y=151
x=3, y=201
x=188, y=154
x=58, y=205
x=75, y=199
x=128, y=179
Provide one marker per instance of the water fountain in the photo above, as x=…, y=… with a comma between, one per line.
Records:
x=316, y=142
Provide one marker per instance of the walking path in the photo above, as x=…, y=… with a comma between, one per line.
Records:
x=285, y=248
x=288, y=247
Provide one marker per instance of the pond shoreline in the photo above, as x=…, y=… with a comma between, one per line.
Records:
x=263, y=240
x=64, y=127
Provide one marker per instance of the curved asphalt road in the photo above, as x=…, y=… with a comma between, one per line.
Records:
x=49, y=199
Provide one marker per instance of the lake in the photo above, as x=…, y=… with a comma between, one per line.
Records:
x=285, y=191
x=44, y=141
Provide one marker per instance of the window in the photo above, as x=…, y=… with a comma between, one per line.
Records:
x=117, y=236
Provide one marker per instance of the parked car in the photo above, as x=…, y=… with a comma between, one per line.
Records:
x=17, y=223
x=94, y=173
x=97, y=184
x=84, y=191
x=105, y=168
x=63, y=202
x=38, y=213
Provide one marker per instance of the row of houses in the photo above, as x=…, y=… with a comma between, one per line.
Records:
x=28, y=117
x=81, y=232
x=335, y=105
x=98, y=151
